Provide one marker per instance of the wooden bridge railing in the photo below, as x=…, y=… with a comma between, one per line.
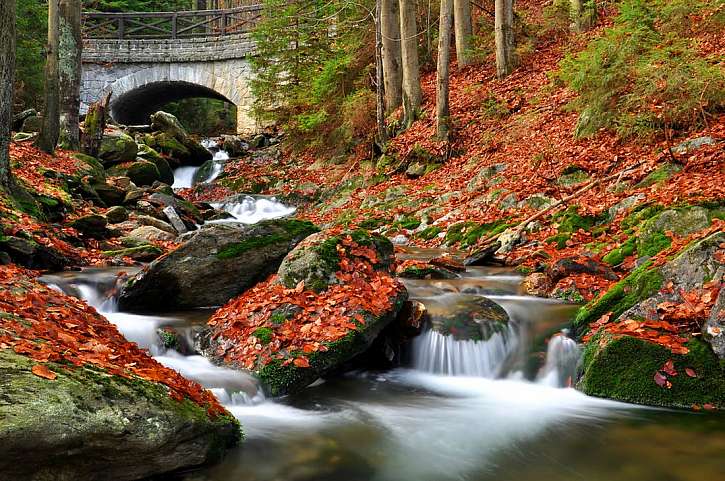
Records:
x=170, y=25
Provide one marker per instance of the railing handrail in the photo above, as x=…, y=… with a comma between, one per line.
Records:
x=114, y=24
x=181, y=13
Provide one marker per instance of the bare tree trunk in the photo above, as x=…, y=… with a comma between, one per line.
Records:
x=48, y=138
x=390, y=28
x=380, y=108
x=69, y=72
x=584, y=14
x=7, y=78
x=464, y=31
x=443, y=119
x=412, y=95
x=503, y=26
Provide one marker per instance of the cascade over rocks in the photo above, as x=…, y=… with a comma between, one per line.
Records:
x=467, y=318
x=332, y=297
x=213, y=265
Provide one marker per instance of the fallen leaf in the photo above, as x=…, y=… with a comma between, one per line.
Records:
x=41, y=370
x=690, y=372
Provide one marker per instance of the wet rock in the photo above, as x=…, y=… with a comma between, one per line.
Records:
x=234, y=145
x=141, y=253
x=117, y=147
x=30, y=254
x=92, y=225
x=467, y=317
x=258, y=142
x=175, y=220
x=537, y=284
x=172, y=339
x=116, y=215
x=204, y=173
x=579, y=265
x=213, y=265
x=62, y=428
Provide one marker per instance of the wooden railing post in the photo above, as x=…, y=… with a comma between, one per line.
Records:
x=121, y=28
x=173, y=26
x=224, y=23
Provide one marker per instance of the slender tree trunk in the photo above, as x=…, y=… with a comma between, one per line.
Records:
x=380, y=108
x=48, y=138
x=412, y=95
x=94, y=126
x=584, y=14
x=69, y=72
x=464, y=31
x=390, y=28
x=443, y=119
x=7, y=78
x=503, y=26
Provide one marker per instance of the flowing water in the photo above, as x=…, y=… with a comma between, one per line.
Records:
x=184, y=176
x=461, y=410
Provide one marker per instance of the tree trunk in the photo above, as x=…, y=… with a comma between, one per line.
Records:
x=380, y=108
x=390, y=28
x=464, y=31
x=69, y=72
x=94, y=126
x=48, y=138
x=7, y=78
x=503, y=26
x=412, y=95
x=584, y=14
x=444, y=53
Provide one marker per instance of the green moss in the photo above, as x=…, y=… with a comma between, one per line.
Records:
x=373, y=223
x=238, y=248
x=570, y=221
x=640, y=214
x=617, y=256
x=559, y=239
x=429, y=232
x=278, y=318
x=143, y=249
x=168, y=339
x=654, y=244
x=659, y=175
x=642, y=283
x=299, y=228
x=263, y=334
x=623, y=368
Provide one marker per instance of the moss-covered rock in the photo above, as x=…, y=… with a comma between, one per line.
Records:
x=316, y=260
x=141, y=173
x=92, y=225
x=90, y=166
x=143, y=253
x=467, y=317
x=623, y=368
x=173, y=133
x=62, y=428
x=684, y=221
x=660, y=175
x=166, y=175
x=213, y=265
x=117, y=147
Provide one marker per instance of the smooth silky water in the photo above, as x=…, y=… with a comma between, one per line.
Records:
x=461, y=410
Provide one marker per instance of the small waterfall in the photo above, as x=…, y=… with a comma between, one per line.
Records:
x=435, y=353
x=184, y=176
x=562, y=357
x=251, y=210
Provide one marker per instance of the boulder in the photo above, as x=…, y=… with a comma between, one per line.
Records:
x=32, y=124
x=30, y=254
x=213, y=265
x=109, y=193
x=626, y=368
x=92, y=225
x=107, y=413
x=140, y=172
x=170, y=126
x=652, y=235
x=234, y=145
x=141, y=253
x=116, y=215
x=467, y=317
x=205, y=172
x=175, y=220
x=117, y=147
x=166, y=175
x=334, y=312
x=90, y=166
x=149, y=233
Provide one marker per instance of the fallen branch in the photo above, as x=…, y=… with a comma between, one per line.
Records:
x=488, y=241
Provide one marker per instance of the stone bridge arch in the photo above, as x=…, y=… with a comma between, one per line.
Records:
x=143, y=72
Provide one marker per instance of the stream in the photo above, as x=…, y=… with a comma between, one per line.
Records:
x=459, y=410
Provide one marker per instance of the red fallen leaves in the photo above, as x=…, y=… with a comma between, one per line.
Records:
x=51, y=327
x=248, y=334
x=42, y=370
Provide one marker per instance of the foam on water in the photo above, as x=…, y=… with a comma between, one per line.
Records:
x=252, y=210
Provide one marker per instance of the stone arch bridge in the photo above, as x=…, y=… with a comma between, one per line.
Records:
x=146, y=60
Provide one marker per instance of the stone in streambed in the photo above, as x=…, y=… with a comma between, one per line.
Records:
x=117, y=147
x=213, y=265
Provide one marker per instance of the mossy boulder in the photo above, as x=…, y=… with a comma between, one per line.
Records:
x=141, y=173
x=92, y=225
x=213, y=265
x=166, y=175
x=30, y=254
x=117, y=147
x=87, y=424
x=660, y=175
x=684, y=221
x=110, y=194
x=624, y=368
x=205, y=172
x=467, y=317
x=90, y=166
x=143, y=253
x=316, y=260
x=172, y=130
